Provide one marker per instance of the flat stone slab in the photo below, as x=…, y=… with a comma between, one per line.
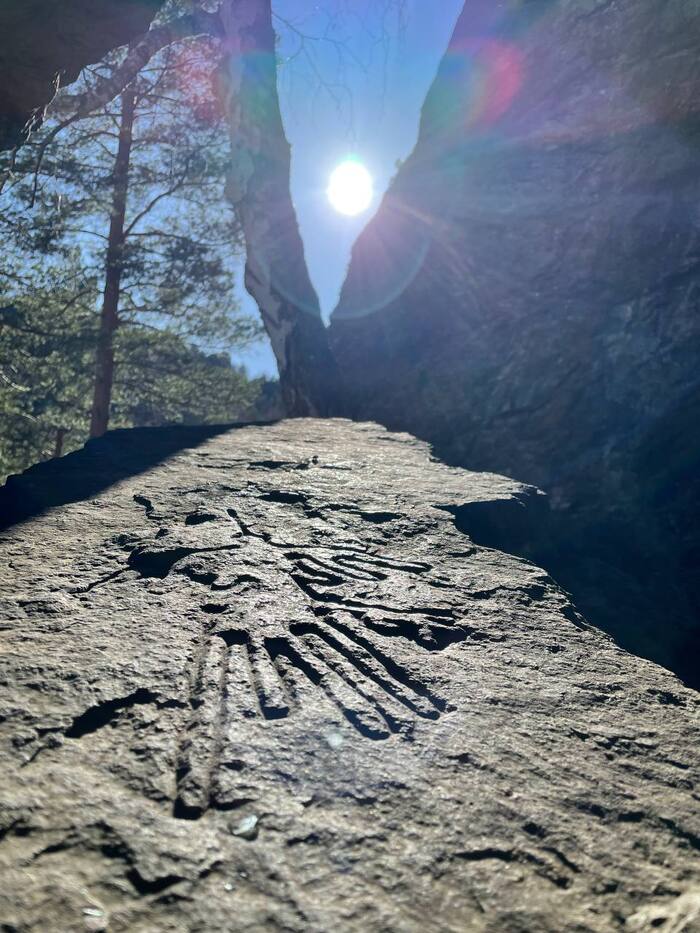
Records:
x=266, y=684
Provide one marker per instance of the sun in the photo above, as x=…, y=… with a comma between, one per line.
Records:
x=350, y=189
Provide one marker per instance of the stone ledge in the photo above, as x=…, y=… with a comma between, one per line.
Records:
x=264, y=681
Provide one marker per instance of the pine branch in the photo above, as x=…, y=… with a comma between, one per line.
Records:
x=140, y=53
x=159, y=197
x=107, y=88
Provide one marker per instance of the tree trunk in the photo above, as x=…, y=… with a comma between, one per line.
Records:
x=276, y=274
x=109, y=318
x=58, y=445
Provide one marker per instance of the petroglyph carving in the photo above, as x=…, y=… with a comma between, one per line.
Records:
x=299, y=616
x=242, y=675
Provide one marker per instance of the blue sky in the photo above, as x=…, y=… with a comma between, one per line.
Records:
x=360, y=97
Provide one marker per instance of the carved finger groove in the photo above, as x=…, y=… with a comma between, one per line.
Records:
x=387, y=705
x=274, y=703
x=331, y=568
x=381, y=668
x=201, y=741
x=352, y=704
x=385, y=562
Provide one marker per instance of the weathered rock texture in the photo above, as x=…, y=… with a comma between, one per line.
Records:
x=527, y=296
x=267, y=684
x=46, y=43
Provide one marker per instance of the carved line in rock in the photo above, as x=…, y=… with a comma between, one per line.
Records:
x=240, y=676
x=252, y=671
x=311, y=572
x=431, y=627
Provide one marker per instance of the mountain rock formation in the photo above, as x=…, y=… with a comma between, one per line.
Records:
x=527, y=296
x=45, y=44
x=258, y=679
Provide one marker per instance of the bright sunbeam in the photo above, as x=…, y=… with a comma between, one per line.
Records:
x=350, y=189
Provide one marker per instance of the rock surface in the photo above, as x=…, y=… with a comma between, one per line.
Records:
x=45, y=44
x=267, y=684
x=526, y=298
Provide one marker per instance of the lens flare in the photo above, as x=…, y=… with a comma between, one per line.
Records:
x=350, y=188
x=481, y=80
x=500, y=69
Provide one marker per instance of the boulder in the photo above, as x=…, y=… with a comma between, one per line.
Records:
x=526, y=297
x=44, y=44
x=259, y=679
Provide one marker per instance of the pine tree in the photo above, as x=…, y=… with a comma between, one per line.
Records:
x=47, y=354
x=240, y=40
x=128, y=199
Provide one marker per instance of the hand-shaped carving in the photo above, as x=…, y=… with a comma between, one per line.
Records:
x=243, y=674
x=322, y=627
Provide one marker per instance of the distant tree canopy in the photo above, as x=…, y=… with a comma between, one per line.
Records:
x=47, y=349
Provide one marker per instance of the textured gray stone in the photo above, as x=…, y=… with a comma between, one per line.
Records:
x=45, y=44
x=526, y=298
x=267, y=684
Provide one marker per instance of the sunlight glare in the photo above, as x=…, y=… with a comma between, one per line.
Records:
x=350, y=189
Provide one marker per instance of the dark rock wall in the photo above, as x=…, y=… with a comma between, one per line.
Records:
x=46, y=43
x=527, y=296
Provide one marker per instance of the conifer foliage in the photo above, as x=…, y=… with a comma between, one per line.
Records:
x=117, y=286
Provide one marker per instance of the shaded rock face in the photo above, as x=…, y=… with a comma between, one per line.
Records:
x=45, y=44
x=267, y=683
x=527, y=296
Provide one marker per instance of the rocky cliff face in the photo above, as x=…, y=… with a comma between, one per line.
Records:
x=45, y=44
x=258, y=679
x=527, y=296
